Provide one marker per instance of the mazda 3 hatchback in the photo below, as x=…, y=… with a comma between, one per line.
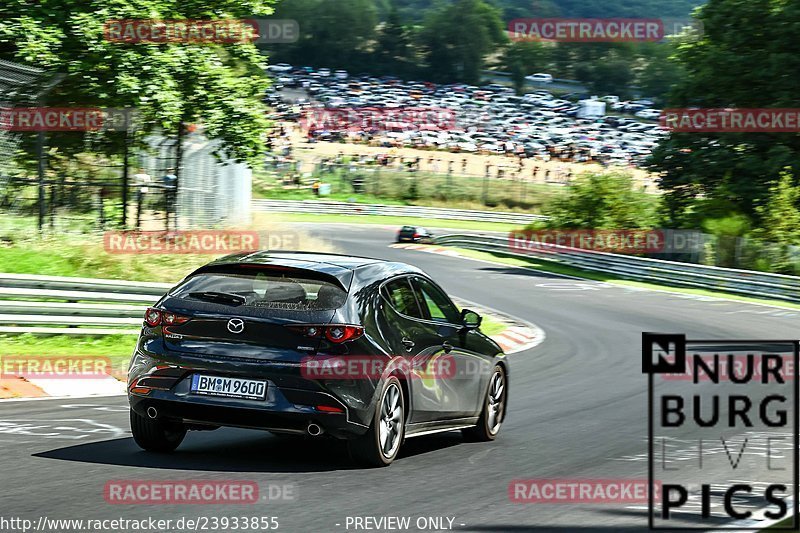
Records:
x=320, y=345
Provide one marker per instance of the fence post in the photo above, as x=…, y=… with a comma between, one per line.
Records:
x=40, y=172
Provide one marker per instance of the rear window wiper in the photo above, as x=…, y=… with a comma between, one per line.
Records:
x=219, y=297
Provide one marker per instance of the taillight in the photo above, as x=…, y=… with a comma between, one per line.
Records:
x=153, y=317
x=338, y=334
x=335, y=333
x=416, y=235
x=171, y=319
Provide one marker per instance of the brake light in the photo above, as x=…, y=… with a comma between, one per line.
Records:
x=171, y=319
x=153, y=317
x=416, y=235
x=339, y=334
x=335, y=333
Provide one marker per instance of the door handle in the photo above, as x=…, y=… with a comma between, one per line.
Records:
x=408, y=343
x=447, y=347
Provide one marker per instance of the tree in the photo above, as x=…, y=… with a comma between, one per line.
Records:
x=780, y=215
x=522, y=58
x=659, y=71
x=394, y=51
x=602, y=201
x=219, y=85
x=745, y=58
x=458, y=37
x=332, y=34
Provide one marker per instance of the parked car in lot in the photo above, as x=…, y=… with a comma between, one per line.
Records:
x=414, y=234
x=269, y=340
x=340, y=74
x=488, y=119
x=280, y=67
x=648, y=114
x=325, y=72
x=540, y=78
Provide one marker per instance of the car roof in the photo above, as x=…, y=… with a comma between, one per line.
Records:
x=343, y=267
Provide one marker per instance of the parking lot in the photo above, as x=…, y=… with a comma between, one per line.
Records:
x=487, y=121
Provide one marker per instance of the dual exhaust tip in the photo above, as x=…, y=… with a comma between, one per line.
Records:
x=315, y=430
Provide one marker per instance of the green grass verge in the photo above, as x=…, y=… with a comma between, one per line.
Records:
x=400, y=221
x=490, y=326
x=557, y=268
x=86, y=257
x=118, y=348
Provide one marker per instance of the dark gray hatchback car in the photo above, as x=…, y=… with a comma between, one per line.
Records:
x=314, y=344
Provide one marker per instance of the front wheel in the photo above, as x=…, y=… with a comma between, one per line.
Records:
x=156, y=435
x=380, y=444
x=494, y=409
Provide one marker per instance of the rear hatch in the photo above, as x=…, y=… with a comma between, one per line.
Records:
x=243, y=311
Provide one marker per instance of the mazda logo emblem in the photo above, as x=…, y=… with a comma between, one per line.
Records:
x=236, y=325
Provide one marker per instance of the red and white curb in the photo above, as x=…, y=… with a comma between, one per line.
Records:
x=518, y=338
x=430, y=248
x=520, y=335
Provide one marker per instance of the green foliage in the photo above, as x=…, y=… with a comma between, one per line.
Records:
x=332, y=34
x=780, y=215
x=746, y=58
x=511, y=9
x=602, y=201
x=457, y=38
x=217, y=85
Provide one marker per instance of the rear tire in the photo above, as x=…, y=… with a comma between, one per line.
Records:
x=494, y=409
x=156, y=435
x=381, y=443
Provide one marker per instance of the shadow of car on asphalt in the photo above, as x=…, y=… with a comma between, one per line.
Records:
x=237, y=450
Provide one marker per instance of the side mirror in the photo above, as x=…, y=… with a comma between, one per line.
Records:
x=471, y=319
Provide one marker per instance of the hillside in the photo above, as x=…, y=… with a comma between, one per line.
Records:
x=511, y=9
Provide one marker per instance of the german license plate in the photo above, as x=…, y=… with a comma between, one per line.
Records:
x=248, y=389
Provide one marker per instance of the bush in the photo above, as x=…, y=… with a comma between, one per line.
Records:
x=602, y=201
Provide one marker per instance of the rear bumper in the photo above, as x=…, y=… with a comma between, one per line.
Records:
x=282, y=416
x=343, y=408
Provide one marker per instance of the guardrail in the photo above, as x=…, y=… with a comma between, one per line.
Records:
x=28, y=304
x=346, y=208
x=744, y=282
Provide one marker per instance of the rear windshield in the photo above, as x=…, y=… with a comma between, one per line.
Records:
x=264, y=290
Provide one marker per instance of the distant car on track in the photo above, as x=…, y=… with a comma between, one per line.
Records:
x=361, y=349
x=414, y=234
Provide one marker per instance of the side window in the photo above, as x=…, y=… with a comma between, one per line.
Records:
x=401, y=297
x=436, y=305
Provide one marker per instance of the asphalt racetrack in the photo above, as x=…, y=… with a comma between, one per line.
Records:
x=578, y=409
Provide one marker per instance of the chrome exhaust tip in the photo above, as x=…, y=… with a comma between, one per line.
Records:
x=314, y=429
x=152, y=413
